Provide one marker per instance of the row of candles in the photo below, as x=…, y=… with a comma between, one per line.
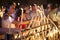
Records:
x=41, y=29
x=52, y=31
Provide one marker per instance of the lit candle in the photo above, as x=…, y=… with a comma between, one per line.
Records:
x=55, y=32
x=22, y=10
x=18, y=4
x=44, y=38
x=10, y=24
x=47, y=21
x=2, y=7
x=21, y=17
x=38, y=6
x=30, y=7
x=30, y=22
x=44, y=19
x=51, y=34
x=1, y=14
x=18, y=18
x=10, y=19
x=34, y=22
x=21, y=22
x=15, y=36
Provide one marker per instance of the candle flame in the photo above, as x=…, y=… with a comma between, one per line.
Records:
x=15, y=36
x=10, y=19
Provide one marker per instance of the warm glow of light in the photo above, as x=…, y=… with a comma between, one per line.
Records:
x=38, y=34
x=2, y=6
x=22, y=11
x=10, y=19
x=30, y=6
x=55, y=31
x=56, y=28
x=19, y=36
x=18, y=3
x=1, y=14
x=44, y=38
x=15, y=36
x=51, y=34
x=38, y=6
x=14, y=3
x=33, y=37
x=12, y=25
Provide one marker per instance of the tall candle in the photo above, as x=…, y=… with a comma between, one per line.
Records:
x=21, y=17
x=21, y=22
x=10, y=19
x=30, y=7
x=47, y=21
x=10, y=24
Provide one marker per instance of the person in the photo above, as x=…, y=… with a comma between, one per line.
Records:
x=53, y=14
x=35, y=16
x=24, y=18
x=0, y=22
x=58, y=16
x=33, y=12
x=27, y=12
x=0, y=19
x=59, y=8
x=7, y=17
x=48, y=9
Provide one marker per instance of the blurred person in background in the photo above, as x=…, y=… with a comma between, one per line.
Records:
x=27, y=12
x=58, y=15
x=6, y=22
x=53, y=14
x=48, y=9
x=2, y=12
x=0, y=19
x=34, y=10
x=59, y=8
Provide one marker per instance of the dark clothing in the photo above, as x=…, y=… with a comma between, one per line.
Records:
x=46, y=12
x=0, y=22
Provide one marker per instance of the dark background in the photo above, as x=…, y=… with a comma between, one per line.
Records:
x=29, y=2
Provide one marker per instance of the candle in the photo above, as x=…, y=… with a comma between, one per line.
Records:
x=18, y=18
x=38, y=6
x=44, y=19
x=47, y=21
x=44, y=38
x=18, y=4
x=34, y=22
x=30, y=7
x=55, y=32
x=10, y=19
x=22, y=10
x=30, y=22
x=15, y=36
x=21, y=17
x=51, y=34
x=21, y=22
x=1, y=14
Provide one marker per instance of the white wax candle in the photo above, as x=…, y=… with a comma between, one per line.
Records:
x=22, y=10
x=21, y=15
x=18, y=3
x=10, y=24
x=30, y=7
x=21, y=22
x=10, y=19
